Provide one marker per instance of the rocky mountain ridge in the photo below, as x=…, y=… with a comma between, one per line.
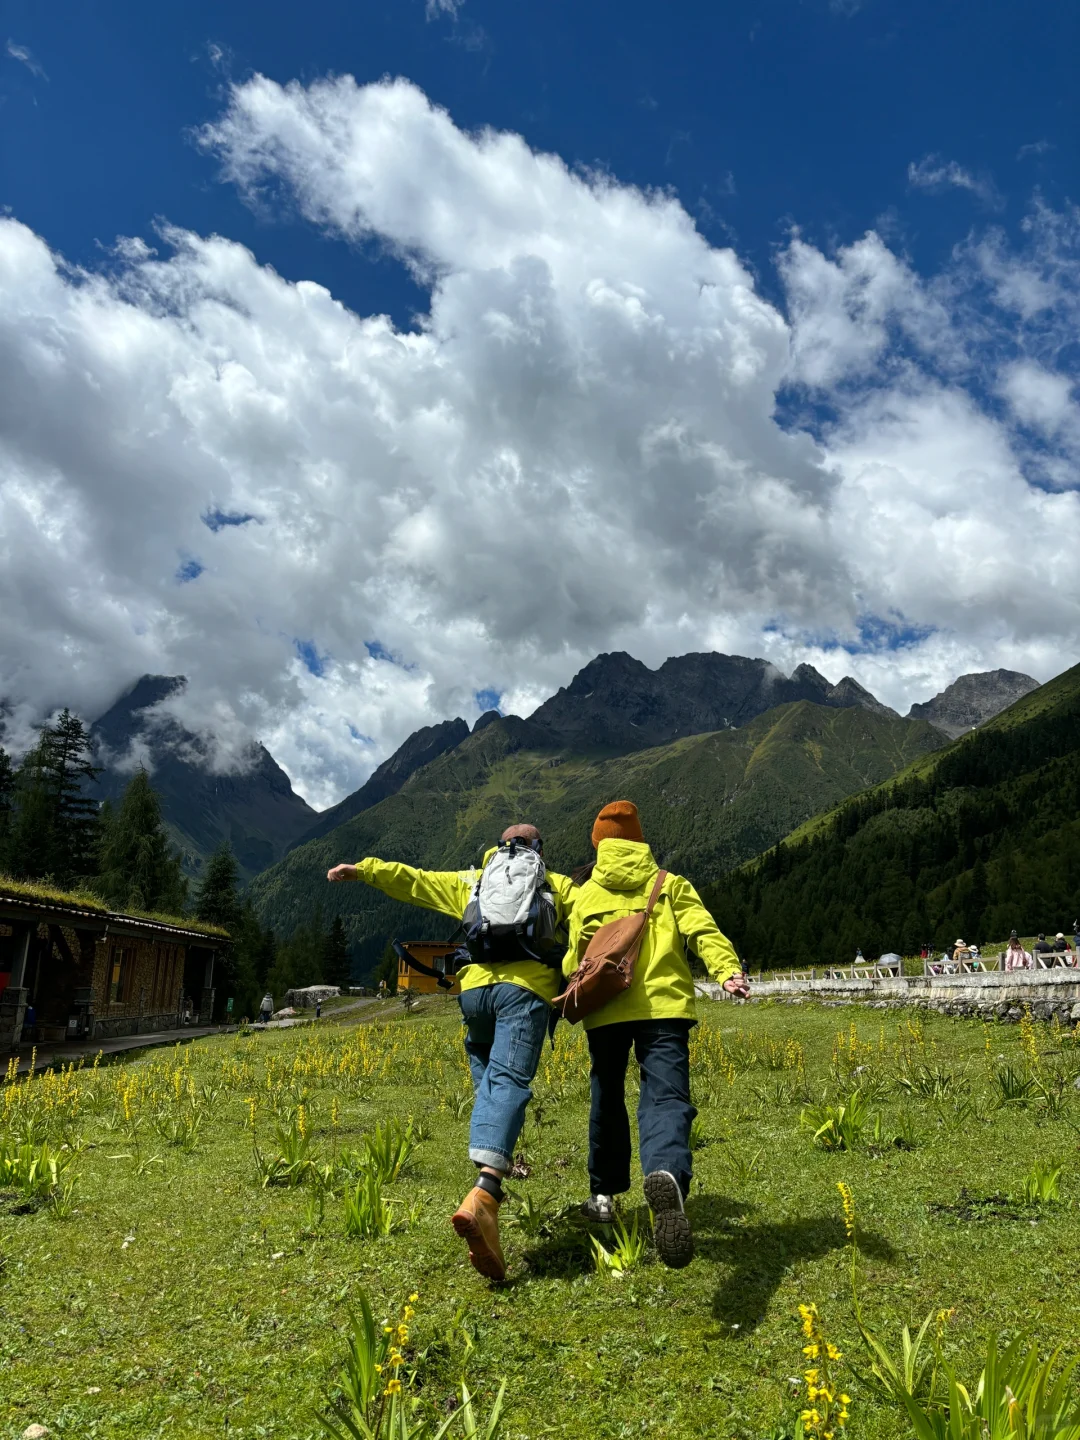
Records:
x=614, y=705
x=973, y=699
x=617, y=703
x=422, y=746
x=708, y=802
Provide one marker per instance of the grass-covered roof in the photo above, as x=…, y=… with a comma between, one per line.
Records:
x=35, y=890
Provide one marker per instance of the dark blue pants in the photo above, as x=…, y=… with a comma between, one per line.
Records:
x=665, y=1114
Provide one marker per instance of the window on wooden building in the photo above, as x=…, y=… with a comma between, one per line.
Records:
x=121, y=968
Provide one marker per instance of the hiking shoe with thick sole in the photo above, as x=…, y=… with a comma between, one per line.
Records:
x=600, y=1208
x=476, y=1220
x=671, y=1229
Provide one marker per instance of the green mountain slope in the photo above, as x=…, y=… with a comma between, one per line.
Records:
x=975, y=840
x=708, y=802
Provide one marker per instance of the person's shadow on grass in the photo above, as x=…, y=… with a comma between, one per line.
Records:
x=759, y=1255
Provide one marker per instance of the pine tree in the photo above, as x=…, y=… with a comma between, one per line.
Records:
x=336, y=966
x=219, y=897
x=387, y=969
x=298, y=960
x=138, y=871
x=69, y=749
x=243, y=980
x=34, y=849
x=7, y=801
x=55, y=829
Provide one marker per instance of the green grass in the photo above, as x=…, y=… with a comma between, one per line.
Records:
x=87, y=900
x=180, y=1294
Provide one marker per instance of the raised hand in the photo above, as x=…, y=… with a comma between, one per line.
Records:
x=738, y=985
x=341, y=872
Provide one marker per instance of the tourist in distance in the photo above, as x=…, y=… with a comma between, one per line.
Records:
x=506, y=1005
x=1016, y=957
x=1060, y=943
x=266, y=1009
x=1042, y=946
x=654, y=1017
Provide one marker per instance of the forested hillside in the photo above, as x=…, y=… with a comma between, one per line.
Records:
x=708, y=802
x=974, y=841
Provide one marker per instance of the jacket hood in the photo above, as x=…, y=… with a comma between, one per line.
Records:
x=624, y=865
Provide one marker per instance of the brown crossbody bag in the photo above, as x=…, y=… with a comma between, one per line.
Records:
x=606, y=970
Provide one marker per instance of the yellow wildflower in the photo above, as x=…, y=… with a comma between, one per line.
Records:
x=849, y=1208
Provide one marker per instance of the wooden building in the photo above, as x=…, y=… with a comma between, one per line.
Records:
x=79, y=971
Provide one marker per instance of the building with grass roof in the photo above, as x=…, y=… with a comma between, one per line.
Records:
x=72, y=969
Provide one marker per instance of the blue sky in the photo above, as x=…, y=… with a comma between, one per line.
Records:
x=759, y=115
x=748, y=327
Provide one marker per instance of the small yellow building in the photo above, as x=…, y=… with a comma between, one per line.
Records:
x=433, y=954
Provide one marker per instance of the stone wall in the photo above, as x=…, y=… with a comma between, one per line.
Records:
x=1049, y=993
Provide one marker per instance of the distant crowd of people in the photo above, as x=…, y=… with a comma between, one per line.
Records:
x=960, y=955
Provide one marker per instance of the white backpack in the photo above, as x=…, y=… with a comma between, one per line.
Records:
x=511, y=915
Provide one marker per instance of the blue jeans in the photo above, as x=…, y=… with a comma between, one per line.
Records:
x=505, y=1036
x=665, y=1113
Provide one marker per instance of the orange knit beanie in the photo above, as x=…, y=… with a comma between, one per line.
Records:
x=617, y=821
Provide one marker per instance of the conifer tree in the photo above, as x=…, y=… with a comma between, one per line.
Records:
x=219, y=893
x=336, y=966
x=7, y=799
x=138, y=870
x=33, y=844
x=243, y=963
x=387, y=969
x=54, y=832
x=70, y=750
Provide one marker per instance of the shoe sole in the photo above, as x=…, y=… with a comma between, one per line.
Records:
x=483, y=1258
x=671, y=1229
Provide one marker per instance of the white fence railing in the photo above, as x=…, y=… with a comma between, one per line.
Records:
x=1050, y=960
x=874, y=970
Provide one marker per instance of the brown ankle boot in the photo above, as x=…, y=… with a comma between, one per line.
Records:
x=476, y=1220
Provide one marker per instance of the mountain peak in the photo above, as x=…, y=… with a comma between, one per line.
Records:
x=973, y=699
x=617, y=703
x=422, y=746
x=255, y=808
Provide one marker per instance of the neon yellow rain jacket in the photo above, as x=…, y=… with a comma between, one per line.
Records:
x=448, y=892
x=662, y=987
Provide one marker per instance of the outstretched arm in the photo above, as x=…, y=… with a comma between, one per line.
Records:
x=446, y=891
x=710, y=944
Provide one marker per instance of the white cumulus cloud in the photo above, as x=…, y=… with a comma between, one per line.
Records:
x=340, y=531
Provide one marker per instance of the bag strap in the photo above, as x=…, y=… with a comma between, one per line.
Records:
x=635, y=949
x=661, y=876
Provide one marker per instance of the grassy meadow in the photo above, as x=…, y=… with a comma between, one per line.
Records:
x=179, y=1262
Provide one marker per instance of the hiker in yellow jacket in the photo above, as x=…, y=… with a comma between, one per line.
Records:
x=506, y=1005
x=654, y=1016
